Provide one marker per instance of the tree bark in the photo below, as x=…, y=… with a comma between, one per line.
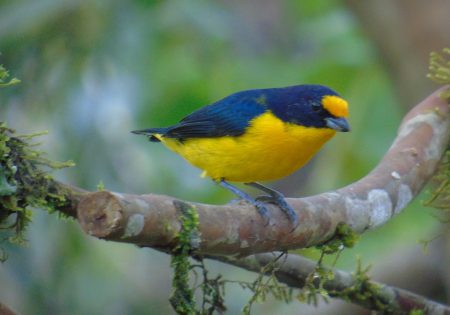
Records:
x=5, y=310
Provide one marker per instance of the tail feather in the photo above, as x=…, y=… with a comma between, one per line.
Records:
x=151, y=133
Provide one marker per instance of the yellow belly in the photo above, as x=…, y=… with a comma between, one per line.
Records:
x=270, y=149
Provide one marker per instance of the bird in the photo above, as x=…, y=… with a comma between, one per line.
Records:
x=257, y=135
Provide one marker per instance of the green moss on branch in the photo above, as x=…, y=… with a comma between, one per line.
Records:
x=182, y=298
x=439, y=68
x=25, y=183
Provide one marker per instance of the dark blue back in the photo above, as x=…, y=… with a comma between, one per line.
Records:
x=231, y=115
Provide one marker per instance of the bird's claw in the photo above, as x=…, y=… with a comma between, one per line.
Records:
x=261, y=202
x=288, y=211
x=263, y=211
x=284, y=206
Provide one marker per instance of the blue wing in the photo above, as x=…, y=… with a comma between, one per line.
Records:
x=227, y=117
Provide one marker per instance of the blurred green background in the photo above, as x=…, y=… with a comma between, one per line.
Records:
x=92, y=71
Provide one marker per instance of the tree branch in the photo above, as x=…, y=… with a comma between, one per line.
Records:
x=153, y=220
x=295, y=270
x=5, y=310
x=238, y=230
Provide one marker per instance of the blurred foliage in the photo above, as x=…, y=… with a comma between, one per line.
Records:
x=4, y=76
x=93, y=71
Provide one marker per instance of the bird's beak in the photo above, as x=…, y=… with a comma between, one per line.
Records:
x=338, y=124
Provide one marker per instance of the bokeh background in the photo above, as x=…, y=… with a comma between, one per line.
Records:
x=92, y=71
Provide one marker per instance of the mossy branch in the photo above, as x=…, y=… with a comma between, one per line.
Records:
x=182, y=298
x=25, y=182
x=296, y=272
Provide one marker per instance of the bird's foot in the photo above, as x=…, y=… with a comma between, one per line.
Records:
x=262, y=210
x=279, y=200
x=259, y=205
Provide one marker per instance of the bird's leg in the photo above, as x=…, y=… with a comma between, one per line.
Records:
x=260, y=206
x=277, y=198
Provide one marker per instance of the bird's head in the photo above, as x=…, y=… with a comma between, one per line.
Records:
x=313, y=106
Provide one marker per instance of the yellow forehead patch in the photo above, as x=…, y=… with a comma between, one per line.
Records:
x=335, y=105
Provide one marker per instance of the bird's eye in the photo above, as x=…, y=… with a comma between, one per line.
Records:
x=317, y=107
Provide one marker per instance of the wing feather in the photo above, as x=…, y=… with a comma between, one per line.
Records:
x=227, y=117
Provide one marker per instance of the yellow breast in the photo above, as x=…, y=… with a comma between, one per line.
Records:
x=269, y=149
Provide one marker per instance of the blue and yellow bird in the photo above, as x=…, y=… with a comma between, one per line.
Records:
x=257, y=135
